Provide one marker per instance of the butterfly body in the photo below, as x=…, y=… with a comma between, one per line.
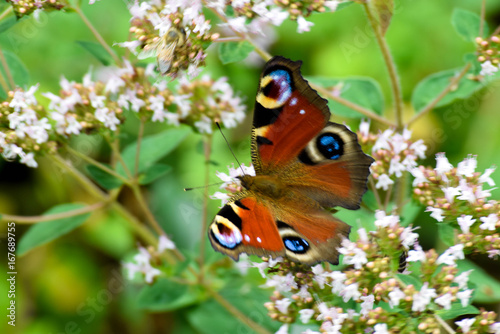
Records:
x=304, y=164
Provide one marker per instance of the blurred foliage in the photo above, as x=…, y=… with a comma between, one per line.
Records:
x=75, y=284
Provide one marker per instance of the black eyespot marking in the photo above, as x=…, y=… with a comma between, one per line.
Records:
x=296, y=244
x=228, y=212
x=263, y=116
x=304, y=158
x=263, y=141
x=330, y=145
x=283, y=225
x=239, y=204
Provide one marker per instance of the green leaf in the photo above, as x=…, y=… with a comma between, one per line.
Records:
x=153, y=173
x=17, y=69
x=231, y=52
x=210, y=317
x=408, y=279
x=363, y=91
x=8, y=23
x=488, y=288
x=446, y=234
x=104, y=179
x=165, y=295
x=153, y=148
x=382, y=11
x=467, y=24
x=456, y=311
x=343, y=5
x=98, y=51
x=430, y=87
x=41, y=233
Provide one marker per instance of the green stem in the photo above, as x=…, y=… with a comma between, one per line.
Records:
x=6, y=12
x=375, y=192
x=391, y=68
x=368, y=113
x=444, y=324
x=388, y=197
x=237, y=313
x=145, y=209
x=207, y=148
x=96, y=34
x=138, y=149
x=97, y=164
x=118, y=156
x=92, y=189
x=46, y=218
x=8, y=74
x=441, y=95
x=483, y=15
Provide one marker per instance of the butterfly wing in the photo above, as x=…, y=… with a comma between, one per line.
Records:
x=293, y=139
x=304, y=233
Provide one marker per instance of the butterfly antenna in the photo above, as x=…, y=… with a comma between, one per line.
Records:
x=208, y=185
x=230, y=149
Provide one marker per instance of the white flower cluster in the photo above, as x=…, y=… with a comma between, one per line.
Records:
x=394, y=153
x=142, y=261
x=231, y=182
x=25, y=122
x=263, y=13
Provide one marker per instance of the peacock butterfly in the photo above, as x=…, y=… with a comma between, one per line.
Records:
x=304, y=164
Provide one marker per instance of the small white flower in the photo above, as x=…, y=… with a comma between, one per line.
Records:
x=283, y=304
x=462, y=279
x=29, y=160
x=204, y=125
x=113, y=85
x=468, y=193
x=419, y=148
x=107, y=117
x=367, y=304
x=384, y=181
x=465, y=222
x=382, y=142
x=304, y=293
x=350, y=291
x=487, y=68
x=422, y=298
x=382, y=220
x=465, y=324
x=464, y=297
x=452, y=254
x=332, y=5
x=165, y=243
x=495, y=328
x=261, y=267
x=380, y=329
x=352, y=254
x=436, y=213
x=306, y=315
x=364, y=128
x=450, y=193
x=303, y=25
x=444, y=300
x=467, y=166
x=338, y=279
x=395, y=296
x=442, y=165
x=283, y=329
x=408, y=237
x=486, y=177
x=416, y=255
x=418, y=175
x=237, y=24
x=396, y=167
x=489, y=222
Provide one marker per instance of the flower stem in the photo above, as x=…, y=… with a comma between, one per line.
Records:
x=391, y=68
x=92, y=189
x=96, y=34
x=483, y=15
x=368, y=113
x=237, y=313
x=441, y=95
x=46, y=218
x=444, y=324
x=97, y=164
x=375, y=192
x=8, y=74
x=207, y=148
x=144, y=206
x=138, y=149
x=6, y=12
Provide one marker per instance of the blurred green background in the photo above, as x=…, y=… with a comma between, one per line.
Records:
x=63, y=287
